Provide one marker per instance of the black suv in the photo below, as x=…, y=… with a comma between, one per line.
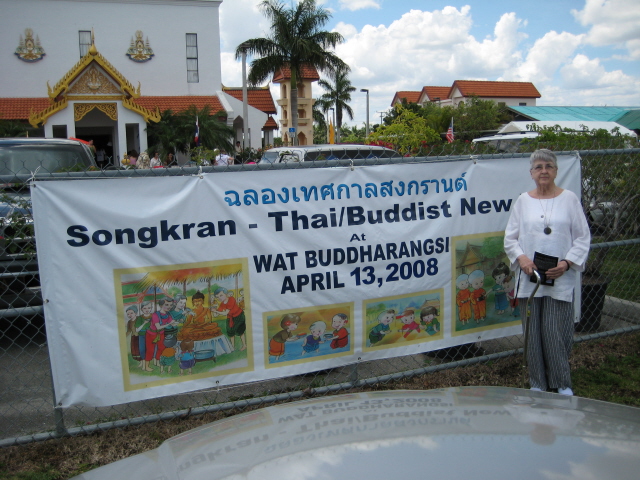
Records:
x=19, y=159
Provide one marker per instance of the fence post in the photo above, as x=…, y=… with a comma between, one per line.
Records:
x=353, y=376
x=58, y=416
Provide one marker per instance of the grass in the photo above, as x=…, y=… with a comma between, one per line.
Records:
x=603, y=369
x=622, y=266
x=616, y=380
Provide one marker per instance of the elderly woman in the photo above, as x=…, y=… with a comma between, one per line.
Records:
x=548, y=220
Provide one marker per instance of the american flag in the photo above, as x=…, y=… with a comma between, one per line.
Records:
x=197, y=135
x=450, y=135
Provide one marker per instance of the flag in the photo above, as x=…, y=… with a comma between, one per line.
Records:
x=197, y=135
x=450, y=135
x=332, y=133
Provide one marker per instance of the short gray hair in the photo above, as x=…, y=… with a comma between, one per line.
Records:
x=545, y=155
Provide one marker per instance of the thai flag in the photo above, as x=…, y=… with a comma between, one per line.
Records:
x=197, y=135
x=450, y=135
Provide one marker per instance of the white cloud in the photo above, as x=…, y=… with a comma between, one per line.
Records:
x=612, y=22
x=586, y=82
x=241, y=20
x=354, y=5
x=431, y=48
x=584, y=73
x=547, y=55
x=427, y=48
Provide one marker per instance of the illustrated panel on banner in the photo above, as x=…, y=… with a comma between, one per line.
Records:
x=483, y=286
x=184, y=321
x=308, y=334
x=402, y=320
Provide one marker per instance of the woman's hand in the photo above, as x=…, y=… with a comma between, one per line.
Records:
x=558, y=271
x=526, y=264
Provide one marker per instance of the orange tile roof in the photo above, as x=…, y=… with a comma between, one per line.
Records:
x=259, y=98
x=270, y=124
x=179, y=103
x=436, y=92
x=308, y=73
x=21, y=108
x=485, y=89
x=411, y=96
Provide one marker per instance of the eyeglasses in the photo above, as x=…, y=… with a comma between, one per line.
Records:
x=539, y=168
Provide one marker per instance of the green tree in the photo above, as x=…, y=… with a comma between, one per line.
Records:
x=338, y=95
x=296, y=39
x=10, y=128
x=409, y=133
x=162, y=136
x=175, y=132
x=354, y=134
x=214, y=133
x=471, y=119
x=320, y=109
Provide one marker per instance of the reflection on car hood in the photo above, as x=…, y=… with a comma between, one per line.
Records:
x=455, y=433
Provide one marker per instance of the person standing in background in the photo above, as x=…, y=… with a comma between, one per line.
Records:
x=548, y=220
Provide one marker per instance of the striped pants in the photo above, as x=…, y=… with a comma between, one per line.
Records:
x=549, y=342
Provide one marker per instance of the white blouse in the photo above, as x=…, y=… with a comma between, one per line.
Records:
x=569, y=239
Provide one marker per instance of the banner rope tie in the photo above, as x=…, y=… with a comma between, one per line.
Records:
x=31, y=180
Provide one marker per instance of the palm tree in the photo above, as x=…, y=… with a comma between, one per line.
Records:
x=175, y=132
x=213, y=132
x=319, y=112
x=296, y=40
x=10, y=128
x=338, y=95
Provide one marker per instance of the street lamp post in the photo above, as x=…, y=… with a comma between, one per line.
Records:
x=365, y=90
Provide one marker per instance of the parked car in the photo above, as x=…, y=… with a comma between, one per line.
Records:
x=455, y=433
x=506, y=142
x=23, y=156
x=306, y=153
x=19, y=279
x=15, y=219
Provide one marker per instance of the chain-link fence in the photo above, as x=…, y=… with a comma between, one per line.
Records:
x=610, y=293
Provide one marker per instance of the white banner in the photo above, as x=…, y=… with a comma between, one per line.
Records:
x=159, y=286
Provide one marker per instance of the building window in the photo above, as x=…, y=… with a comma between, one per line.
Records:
x=59, y=131
x=522, y=104
x=192, y=58
x=85, y=41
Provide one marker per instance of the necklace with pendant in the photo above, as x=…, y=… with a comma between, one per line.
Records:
x=547, y=218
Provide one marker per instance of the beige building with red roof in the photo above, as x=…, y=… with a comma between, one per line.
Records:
x=503, y=93
x=103, y=70
x=408, y=96
x=305, y=103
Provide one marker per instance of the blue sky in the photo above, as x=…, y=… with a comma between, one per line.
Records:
x=576, y=52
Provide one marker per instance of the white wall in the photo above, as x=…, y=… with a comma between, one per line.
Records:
x=164, y=22
x=257, y=118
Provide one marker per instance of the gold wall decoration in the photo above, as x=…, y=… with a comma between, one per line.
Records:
x=61, y=88
x=93, y=81
x=29, y=49
x=37, y=118
x=140, y=51
x=81, y=109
